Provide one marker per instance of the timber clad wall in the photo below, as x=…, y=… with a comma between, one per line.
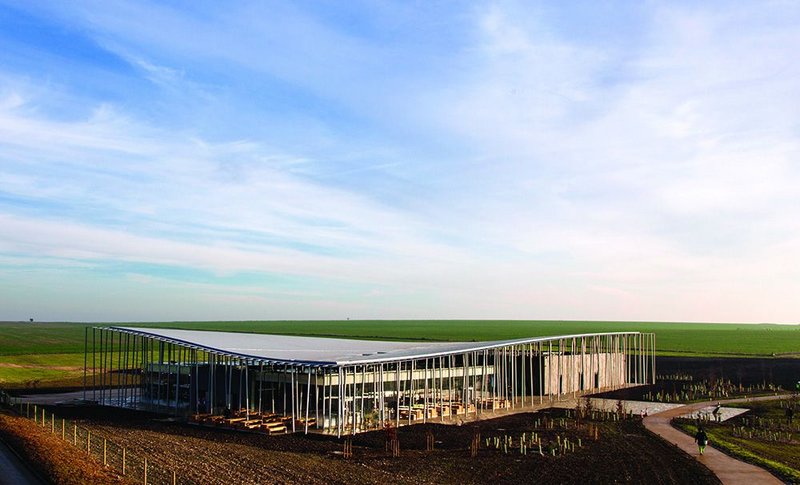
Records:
x=571, y=373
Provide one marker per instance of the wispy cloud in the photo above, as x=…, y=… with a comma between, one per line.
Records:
x=496, y=161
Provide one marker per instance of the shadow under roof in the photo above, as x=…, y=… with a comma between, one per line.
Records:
x=319, y=351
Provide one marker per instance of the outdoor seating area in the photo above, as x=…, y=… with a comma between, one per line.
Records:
x=270, y=423
x=495, y=403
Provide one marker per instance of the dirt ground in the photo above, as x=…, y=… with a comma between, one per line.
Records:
x=56, y=460
x=623, y=453
x=784, y=372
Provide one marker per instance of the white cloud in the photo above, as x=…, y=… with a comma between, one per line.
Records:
x=557, y=178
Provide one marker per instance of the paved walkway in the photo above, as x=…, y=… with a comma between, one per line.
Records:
x=729, y=470
x=14, y=471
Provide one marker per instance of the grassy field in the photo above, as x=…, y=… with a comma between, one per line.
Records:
x=22, y=345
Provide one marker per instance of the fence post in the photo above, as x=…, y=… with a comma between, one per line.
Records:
x=145, y=470
x=105, y=454
x=53, y=423
x=63, y=430
x=123, y=461
x=75, y=434
x=174, y=478
x=89, y=443
x=35, y=413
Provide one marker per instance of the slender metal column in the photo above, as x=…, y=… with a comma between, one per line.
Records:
x=119, y=368
x=317, y=423
x=382, y=402
x=106, y=375
x=654, y=357
x=101, y=364
x=441, y=389
x=484, y=381
x=541, y=374
x=110, y=367
x=410, y=389
x=363, y=391
x=294, y=400
x=397, y=392
x=308, y=397
x=85, y=357
x=425, y=398
x=550, y=364
x=339, y=406
x=126, y=371
x=94, y=366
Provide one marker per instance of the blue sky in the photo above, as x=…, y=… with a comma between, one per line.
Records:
x=303, y=160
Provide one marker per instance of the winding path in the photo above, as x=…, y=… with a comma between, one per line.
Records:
x=729, y=470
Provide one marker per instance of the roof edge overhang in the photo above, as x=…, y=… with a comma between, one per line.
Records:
x=478, y=347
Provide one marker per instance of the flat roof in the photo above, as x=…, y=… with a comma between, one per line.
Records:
x=322, y=351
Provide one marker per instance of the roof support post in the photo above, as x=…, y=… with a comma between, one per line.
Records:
x=530, y=367
x=353, y=412
x=85, y=357
x=363, y=389
x=102, y=365
x=550, y=370
x=397, y=394
x=653, y=336
x=247, y=390
x=440, y=389
x=94, y=366
x=540, y=345
x=450, y=384
x=110, y=340
x=126, y=371
x=316, y=398
x=119, y=368
x=339, y=406
x=425, y=399
x=308, y=397
x=330, y=399
x=294, y=417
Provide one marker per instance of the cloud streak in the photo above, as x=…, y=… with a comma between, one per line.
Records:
x=509, y=163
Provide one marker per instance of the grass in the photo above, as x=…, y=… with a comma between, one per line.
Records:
x=58, y=340
x=27, y=368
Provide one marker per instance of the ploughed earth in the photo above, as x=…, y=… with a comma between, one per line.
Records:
x=598, y=448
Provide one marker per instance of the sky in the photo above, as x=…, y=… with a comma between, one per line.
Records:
x=592, y=160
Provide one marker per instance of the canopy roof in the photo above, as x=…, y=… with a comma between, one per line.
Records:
x=318, y=351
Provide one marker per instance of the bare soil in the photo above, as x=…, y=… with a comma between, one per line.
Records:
x=624, y=453
x=784, y=372
x=56, y=460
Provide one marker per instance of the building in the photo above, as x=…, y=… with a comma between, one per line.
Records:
x=345, y=386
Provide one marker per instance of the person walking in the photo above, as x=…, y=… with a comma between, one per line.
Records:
x=717, y=412
x=702, y=439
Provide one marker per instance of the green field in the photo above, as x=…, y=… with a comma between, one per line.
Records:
x=21, y=343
